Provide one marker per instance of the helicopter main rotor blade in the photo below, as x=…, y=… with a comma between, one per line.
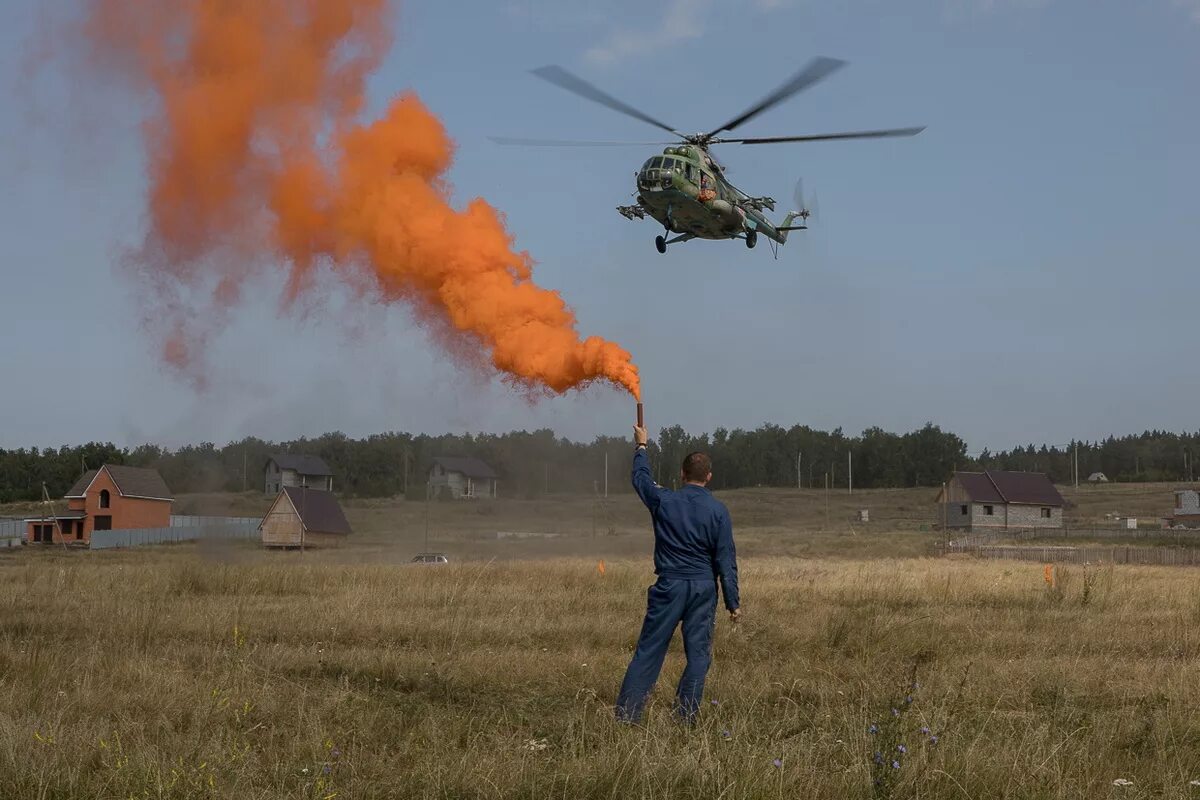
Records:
x=521, y=142
x=825, y=137
x=817, y=70
x=576, y=85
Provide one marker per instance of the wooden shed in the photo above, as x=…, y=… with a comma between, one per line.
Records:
x=302, y=518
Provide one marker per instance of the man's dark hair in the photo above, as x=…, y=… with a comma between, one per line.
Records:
x=697, y=467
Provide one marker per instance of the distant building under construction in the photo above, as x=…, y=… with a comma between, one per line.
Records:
x=997, y=499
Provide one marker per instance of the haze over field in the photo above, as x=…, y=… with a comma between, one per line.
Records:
x=1013, y=274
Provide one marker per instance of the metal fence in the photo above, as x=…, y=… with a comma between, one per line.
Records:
x=187, y=521
x=188, y=529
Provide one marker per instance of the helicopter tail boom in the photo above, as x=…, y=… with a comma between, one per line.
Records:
x=787, y=225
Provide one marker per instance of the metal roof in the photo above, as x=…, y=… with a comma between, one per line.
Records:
x=303, y=464
x=471, y=467
x=997, y=486
x=319, y=510
x=130, y=482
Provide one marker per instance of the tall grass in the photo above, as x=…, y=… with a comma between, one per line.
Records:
x=157, y=674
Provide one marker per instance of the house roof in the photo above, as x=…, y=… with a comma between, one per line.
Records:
x=996, y=486
x=319, y=510
x=471, y=467
x=305, y=465
x=130, y=482
x=978, y=487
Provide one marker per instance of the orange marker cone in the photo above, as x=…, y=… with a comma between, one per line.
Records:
x=600, y=567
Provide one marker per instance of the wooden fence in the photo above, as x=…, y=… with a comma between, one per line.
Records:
x=1164, y=535
x=1068, y=554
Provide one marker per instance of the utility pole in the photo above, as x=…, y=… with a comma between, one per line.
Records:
x=243, y=469
x=799, y=472
x=1077, y=465
x=427, y=493
x=606, y=472
x=850, y=471
x=826, y=501
x=945, y=509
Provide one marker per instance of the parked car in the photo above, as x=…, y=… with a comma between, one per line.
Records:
x=430, y=558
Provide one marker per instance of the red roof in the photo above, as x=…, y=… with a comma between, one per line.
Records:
x=995, y=486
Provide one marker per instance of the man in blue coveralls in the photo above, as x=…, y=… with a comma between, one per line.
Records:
x=693, y=549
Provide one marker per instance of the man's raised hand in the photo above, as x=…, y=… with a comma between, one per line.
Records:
x=639, y=435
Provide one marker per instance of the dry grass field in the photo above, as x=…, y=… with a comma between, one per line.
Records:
x=189, y=672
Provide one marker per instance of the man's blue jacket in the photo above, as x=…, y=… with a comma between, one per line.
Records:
x=693, y=535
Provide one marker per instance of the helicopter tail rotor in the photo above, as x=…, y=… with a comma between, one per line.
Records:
x=806, y=208
x=796, y=220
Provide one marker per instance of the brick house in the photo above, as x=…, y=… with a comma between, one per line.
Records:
x=997, y=499
x=113, y=497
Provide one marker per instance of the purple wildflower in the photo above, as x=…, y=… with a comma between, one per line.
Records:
x=908, y=700
x=873, y=729
x=335, y=753
x=925, y=730
x=325, y=770
x=715, y=703
x=895, y=712
x=778, y=762
x=895, y=765
x=901, y=748
x=878, y=757
x=933, y=740
x=725, y=734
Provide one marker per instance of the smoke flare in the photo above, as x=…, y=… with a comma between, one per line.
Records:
x=256, y=156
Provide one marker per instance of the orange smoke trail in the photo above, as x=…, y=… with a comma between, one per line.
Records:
x=255, y=155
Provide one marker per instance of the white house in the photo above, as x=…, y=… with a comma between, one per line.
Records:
x=286, y=470
x=462, y=477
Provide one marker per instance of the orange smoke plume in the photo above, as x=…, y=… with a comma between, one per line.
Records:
x=256, y=157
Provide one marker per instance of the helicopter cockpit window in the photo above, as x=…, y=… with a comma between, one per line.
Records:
x=656, y=162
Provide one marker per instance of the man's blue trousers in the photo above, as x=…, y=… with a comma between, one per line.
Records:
x=669, y=602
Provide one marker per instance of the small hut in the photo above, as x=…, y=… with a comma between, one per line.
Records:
x=302, y=518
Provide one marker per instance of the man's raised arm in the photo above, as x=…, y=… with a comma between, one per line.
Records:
x=643, y=483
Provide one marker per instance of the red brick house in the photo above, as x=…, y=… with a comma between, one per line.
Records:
x=110, y=498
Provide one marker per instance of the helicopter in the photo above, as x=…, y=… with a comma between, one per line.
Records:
x=685, y=189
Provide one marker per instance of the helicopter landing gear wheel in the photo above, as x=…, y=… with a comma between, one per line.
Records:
x=660, y=244
x=751, y=239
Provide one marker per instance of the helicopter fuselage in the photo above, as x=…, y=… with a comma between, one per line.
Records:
x=685, y=192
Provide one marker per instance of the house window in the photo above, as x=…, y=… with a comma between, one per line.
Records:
x=989, y=511
x=963, y=510
x=66, y=527
x=104, y=498
x=103, y=523
x=1045, y=513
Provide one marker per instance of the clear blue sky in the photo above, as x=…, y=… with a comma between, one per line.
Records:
x=1023, y=271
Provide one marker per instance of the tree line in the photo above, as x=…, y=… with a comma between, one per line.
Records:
x=537, y=463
